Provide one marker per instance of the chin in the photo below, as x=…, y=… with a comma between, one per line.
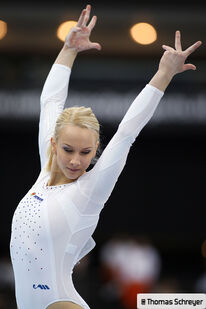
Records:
x=73, y=176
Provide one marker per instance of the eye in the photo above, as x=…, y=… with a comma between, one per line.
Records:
x=67, y=149
x=86, y=152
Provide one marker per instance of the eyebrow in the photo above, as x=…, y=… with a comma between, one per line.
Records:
x=86, y=148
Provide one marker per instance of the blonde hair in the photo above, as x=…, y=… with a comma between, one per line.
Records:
x=82, y=117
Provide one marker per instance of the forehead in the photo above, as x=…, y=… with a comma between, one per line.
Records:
x=76, y=136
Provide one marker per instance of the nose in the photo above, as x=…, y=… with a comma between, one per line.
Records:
x=75, y=160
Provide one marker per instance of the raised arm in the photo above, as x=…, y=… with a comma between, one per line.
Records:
x=98, y=183
x=55, y=89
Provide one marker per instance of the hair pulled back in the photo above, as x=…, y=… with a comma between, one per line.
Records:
x=82, y=117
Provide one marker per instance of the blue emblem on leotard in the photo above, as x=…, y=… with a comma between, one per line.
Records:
x=37, y=197
x=41, y=286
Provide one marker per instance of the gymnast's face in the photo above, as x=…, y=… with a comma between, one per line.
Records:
x=74, y=150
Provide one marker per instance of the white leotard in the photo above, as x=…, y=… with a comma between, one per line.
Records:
x=52, y=226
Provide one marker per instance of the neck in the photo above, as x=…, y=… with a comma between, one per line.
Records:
x=57, y=179
x=56, y=176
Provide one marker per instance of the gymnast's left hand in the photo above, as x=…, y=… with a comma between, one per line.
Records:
x=78, y=38
x=173, y=60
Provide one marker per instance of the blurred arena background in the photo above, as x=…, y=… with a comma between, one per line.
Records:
x=151, y=235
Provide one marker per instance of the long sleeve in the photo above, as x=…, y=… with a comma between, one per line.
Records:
x=96, y=185
x=53, y=97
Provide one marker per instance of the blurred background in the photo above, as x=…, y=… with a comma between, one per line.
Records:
x=151, y=235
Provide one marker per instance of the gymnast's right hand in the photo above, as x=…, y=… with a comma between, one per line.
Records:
x=78, y=38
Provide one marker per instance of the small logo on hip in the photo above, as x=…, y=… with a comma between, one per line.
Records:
x=41, y=286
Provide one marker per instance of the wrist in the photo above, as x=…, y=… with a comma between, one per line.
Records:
x=69, y=50
x=161, y=79
x=66, y=56
x=167, y=75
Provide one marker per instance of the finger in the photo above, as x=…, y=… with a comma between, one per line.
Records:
x=86, y=16
x=178, y=45
x=192, y=48
x=92, y=23
x=96, y=46
x=189, y=66
x=166, y=47
x=71, y=32
x=81, y=18
x=76, y=29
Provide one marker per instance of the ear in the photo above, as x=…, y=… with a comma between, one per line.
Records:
x=53, y=145
x=97, y=145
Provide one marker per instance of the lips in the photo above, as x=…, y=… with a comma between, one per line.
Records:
x=73, y=170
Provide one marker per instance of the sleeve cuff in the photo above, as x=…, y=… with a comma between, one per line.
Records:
x=64, y=67
x=160, y=92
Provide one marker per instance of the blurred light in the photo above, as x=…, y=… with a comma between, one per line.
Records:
x=143, y=33
x=64, y=28
x=3, y=29
x=203, y=248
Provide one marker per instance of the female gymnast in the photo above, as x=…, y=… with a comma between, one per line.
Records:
x=53, y=224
